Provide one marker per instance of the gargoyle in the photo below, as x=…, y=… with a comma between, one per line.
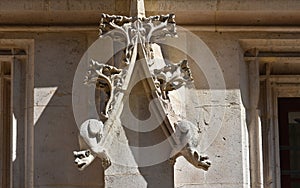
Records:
x=90, y=135
x=83, y=158
x=187, y=133
x=107, y=80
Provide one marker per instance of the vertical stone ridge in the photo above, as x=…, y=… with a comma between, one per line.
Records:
x=137, y=9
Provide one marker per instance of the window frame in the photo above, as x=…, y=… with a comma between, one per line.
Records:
x=22, y=84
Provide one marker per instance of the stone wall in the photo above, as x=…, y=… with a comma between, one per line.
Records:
x=56, y=59
x=188, y=12
x=57, y=54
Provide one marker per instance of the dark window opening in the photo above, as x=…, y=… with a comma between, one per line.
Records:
x=289, y=141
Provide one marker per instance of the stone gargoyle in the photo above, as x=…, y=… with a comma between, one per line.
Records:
x=187, y=134
x=108, y=81
x=90, y=135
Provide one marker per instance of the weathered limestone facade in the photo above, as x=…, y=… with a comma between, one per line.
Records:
x=253, y=42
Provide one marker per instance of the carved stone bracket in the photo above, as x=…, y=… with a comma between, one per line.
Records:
x=138, y=34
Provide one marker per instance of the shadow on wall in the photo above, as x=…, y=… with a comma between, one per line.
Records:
x=56, y=59
x=156, y=175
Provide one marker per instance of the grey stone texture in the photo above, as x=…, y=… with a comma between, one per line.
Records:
x=57, y=54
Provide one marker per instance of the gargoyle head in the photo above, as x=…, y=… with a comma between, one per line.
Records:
x=83, y=158
x=199, y=161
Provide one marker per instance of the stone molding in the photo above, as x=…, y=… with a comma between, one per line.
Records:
x=218, y=13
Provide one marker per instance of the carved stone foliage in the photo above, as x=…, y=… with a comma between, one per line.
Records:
x=172, y=77
x=130, y=30
x=150, y=28
x=108, y=79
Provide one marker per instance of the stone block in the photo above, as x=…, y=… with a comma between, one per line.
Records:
x=55, y=69
x=225, y=152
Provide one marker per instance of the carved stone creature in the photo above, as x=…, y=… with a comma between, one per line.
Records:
x=91, y=132
x=108, y=79
x=83, y=158
x=187, y=134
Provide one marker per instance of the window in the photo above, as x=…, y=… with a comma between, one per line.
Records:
x=16, y=113
x=5, y=123
x=289, y=141
x=276, y=63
